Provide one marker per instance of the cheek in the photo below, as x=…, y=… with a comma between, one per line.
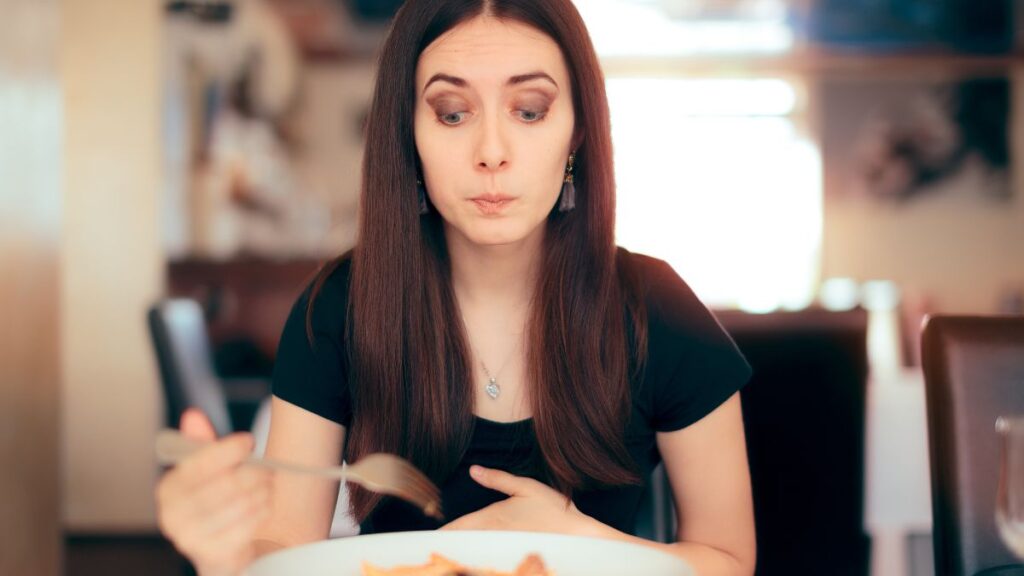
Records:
x=548, y=167
x=550, y=161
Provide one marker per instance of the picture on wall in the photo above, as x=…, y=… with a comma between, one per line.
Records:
x=905, y=140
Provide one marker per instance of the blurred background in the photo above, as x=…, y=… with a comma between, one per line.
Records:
x=806, y=165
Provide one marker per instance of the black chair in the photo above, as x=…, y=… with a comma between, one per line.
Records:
x=804, y=413
x=178, y=330
x=974, y=372
x=656, y=517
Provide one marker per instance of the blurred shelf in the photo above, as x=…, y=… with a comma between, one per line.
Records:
x=818, y=63
x=244, y=299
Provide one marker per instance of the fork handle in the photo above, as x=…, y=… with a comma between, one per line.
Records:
x=172, y=447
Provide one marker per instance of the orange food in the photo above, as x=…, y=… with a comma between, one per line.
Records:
x=532, y=565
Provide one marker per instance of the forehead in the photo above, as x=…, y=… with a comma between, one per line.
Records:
x=489, y=49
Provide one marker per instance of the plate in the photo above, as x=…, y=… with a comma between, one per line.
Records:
x=566, y=555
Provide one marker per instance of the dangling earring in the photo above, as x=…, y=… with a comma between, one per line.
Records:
x=422, y=191
x=568, y=201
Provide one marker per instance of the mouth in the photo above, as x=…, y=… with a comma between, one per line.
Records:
x=492, y=203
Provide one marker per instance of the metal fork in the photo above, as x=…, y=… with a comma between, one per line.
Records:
x=382, y=473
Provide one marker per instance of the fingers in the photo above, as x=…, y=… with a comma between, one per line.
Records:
x=502, y=481
x=202, y=535
x=210, y=506
x=214, y=459
x=239, y=510
x=213, y=525
x=234, y=491
x=231, y=549
x=239, y=537
x=201, y=508
x=195, y=424
x=175, y=490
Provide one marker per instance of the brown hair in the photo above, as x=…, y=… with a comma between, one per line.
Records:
x=409, y=374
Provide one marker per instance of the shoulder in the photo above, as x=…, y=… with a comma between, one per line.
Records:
x=692, y=364
x=323, y=303
x=667, y=298
x=682, y=333
x=310, y=367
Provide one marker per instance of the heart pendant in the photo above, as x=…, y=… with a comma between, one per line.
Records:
x=492, y=389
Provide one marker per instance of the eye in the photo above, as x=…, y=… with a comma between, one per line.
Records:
x=451, y=118
x=531, y=116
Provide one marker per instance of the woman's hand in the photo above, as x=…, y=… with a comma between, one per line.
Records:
x=209, y=506
x=531, y=506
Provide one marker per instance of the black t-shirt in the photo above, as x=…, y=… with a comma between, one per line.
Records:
x=692, y=367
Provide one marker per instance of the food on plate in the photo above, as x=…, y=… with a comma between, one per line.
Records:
x=532, y=565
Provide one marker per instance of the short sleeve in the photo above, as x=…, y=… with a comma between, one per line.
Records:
x=693, y=364
x=311, y=373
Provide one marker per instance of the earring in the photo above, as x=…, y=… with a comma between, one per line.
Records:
x=568, y=201
x=422, y=191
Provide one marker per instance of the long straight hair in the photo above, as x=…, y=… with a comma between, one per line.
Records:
x=409, y=369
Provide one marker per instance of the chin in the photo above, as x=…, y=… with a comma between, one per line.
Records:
x=491, y=239
x=499, y=234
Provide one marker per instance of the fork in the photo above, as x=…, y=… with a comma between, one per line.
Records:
x=382, y=473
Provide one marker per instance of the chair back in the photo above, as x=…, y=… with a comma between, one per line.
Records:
x=182, y=349
x=804, y=414
x=974, y=372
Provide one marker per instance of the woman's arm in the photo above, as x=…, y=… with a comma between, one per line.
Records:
x=707, y=468
x=302, y=507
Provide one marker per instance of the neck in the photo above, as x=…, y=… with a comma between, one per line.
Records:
x=500, y=275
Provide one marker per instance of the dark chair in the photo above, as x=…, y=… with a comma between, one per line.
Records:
x=656, y=517
x=974, y=372
x=186, y=370
x=804, y=413
x=178, y=330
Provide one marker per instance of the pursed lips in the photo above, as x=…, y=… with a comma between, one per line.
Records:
x=491, y=203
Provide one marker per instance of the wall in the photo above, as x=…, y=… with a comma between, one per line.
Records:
x=111, y=266
x=30, y=208
x=962, y=250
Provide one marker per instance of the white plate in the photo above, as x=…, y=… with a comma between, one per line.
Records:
x=566, y=555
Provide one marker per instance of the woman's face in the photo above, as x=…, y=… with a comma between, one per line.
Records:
x=493, y=123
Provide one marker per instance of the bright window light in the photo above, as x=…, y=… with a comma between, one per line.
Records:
x=623, y=28
x=726, y=97
x=714, y=177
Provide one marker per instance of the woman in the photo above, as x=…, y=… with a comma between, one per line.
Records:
x=485, y=326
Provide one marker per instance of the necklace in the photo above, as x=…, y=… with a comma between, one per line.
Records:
x=492, y=388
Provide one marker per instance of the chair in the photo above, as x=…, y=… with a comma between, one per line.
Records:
x=183, y=353
x=804, y=413
x=974, y=372
x=182, y=347
x=656, y=516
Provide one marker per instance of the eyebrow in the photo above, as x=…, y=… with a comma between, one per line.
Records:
x=512, y=81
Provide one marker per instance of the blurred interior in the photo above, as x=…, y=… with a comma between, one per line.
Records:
x=824, y=173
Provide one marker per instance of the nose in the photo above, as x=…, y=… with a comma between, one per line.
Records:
x=492, y=149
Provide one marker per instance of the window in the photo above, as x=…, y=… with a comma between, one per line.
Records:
x=715, y=177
